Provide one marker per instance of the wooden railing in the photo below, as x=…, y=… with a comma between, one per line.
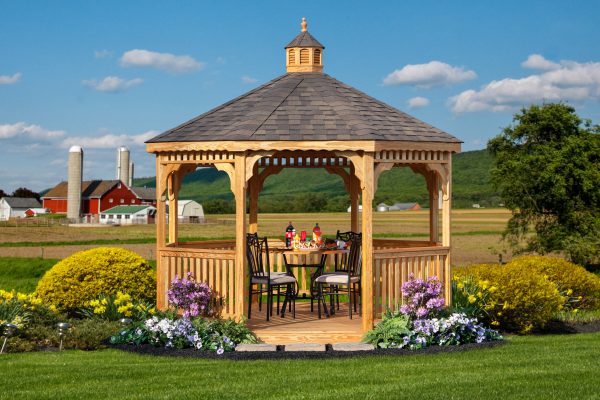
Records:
x=393, y=266
x=211, y=262
x=393, y=262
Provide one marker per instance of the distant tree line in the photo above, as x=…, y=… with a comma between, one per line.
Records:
x=21, y=192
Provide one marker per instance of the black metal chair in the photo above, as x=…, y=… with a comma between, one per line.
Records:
x=266, y=281
x=342, y=281
x=341, y=260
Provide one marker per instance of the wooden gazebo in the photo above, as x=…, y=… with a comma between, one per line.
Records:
x=304, y=119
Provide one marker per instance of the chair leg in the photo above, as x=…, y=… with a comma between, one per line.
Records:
x=350, y=300
x=250, y=302
x=269, y=302
x=319, y=295
x=332, y=290
x=260, y=295
x=278, y=295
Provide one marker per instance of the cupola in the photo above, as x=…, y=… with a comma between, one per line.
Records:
x=304, y=53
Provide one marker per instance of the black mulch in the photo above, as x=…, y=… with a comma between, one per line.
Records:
x=559, y=327
x=306, y=355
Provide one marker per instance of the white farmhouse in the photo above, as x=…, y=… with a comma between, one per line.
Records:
x=128, y=215
x=15, y=207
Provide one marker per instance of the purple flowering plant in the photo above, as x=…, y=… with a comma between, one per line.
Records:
x=190, y=296
x=422, y=298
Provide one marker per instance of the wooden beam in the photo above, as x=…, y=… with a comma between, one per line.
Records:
x=239, y=185
x=173, y=194
x=367, y=186
x=291, y=145
x=354, y=194
x=161, y=273
x=446, y=221
x=434, y=194
x=229, y=169
x=253, y=192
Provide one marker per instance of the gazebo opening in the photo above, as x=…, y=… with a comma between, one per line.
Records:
x=305, y=119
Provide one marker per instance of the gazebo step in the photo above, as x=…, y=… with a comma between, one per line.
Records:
x=308, y=337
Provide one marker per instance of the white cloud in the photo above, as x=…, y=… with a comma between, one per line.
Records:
x=537, y=61
x=108, y=140
x=22, y=129
x=248, y=80
x=162, y=61
x=417, y=102
x=103, y=53
x=572, y=81
x=112, y=84
x=434, y=73
x=10, y=79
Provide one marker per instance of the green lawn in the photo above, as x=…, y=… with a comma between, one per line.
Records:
x=22, y=274
x=532, y=367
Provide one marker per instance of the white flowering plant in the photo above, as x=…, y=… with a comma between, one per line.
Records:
x=168, y=331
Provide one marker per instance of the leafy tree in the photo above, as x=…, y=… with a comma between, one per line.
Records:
x=3, y=193
x=27, y=193
x=547, y=170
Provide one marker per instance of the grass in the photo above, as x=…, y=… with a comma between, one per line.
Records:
x=581, y=316
x=533, y=367
x=22, y=274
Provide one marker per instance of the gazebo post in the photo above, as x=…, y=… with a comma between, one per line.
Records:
x=446, y=216
x=240, y=233
x=367, y=186
x=354, y=188
x=253, y=192
x=173, y=194
x=161, y=284
x=433, y=186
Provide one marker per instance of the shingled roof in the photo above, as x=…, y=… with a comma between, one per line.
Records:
x=22, y=202
x=89, y=189
x=304, y=39
x=304, y=107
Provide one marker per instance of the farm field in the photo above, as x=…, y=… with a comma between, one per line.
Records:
x=475, y=233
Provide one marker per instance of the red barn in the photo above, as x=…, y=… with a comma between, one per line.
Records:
x=97, y=196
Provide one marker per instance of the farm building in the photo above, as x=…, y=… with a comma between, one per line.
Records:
x=127, y=215
x=382, y=207
x=15, y=207
x=34, y=212
x=189, y=211
x=98, y=196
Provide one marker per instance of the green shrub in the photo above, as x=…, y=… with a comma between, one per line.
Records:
x=86, y=275
x=90, y=334
x=522, y=302
x=581, y=287
x=390, y=332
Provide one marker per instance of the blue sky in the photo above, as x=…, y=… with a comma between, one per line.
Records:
x=109, y=73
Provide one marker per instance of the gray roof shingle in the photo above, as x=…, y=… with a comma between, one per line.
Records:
x=304, y=107
x=22, y=202
x=304, y=39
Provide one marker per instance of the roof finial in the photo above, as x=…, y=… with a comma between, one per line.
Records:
x=304, y=24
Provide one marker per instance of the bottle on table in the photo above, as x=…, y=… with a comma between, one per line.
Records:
x=316, y=233
x=289, y=235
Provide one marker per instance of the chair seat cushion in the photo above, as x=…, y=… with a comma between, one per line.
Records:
x=336, y=278
x=277, y=278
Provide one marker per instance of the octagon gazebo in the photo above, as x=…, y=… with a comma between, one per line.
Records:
x=304, y=119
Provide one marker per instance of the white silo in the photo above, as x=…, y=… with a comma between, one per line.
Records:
x=130, y=182
x=123, y=164
x=74, y=176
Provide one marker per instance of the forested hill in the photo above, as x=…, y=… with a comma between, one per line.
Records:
x=297, y=190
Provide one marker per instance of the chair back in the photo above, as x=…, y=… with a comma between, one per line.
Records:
x=345, y=236
x=258, y=265
x=355, y=256
x=341, y=264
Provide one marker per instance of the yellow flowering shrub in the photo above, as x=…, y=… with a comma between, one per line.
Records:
x=85, y=276
x=573, y=281
x=519, y=301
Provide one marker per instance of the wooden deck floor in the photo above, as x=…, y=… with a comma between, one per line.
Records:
x=306, y=327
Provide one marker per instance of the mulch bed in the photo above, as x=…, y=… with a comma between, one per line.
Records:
x=554, y=327
x=297, y=355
